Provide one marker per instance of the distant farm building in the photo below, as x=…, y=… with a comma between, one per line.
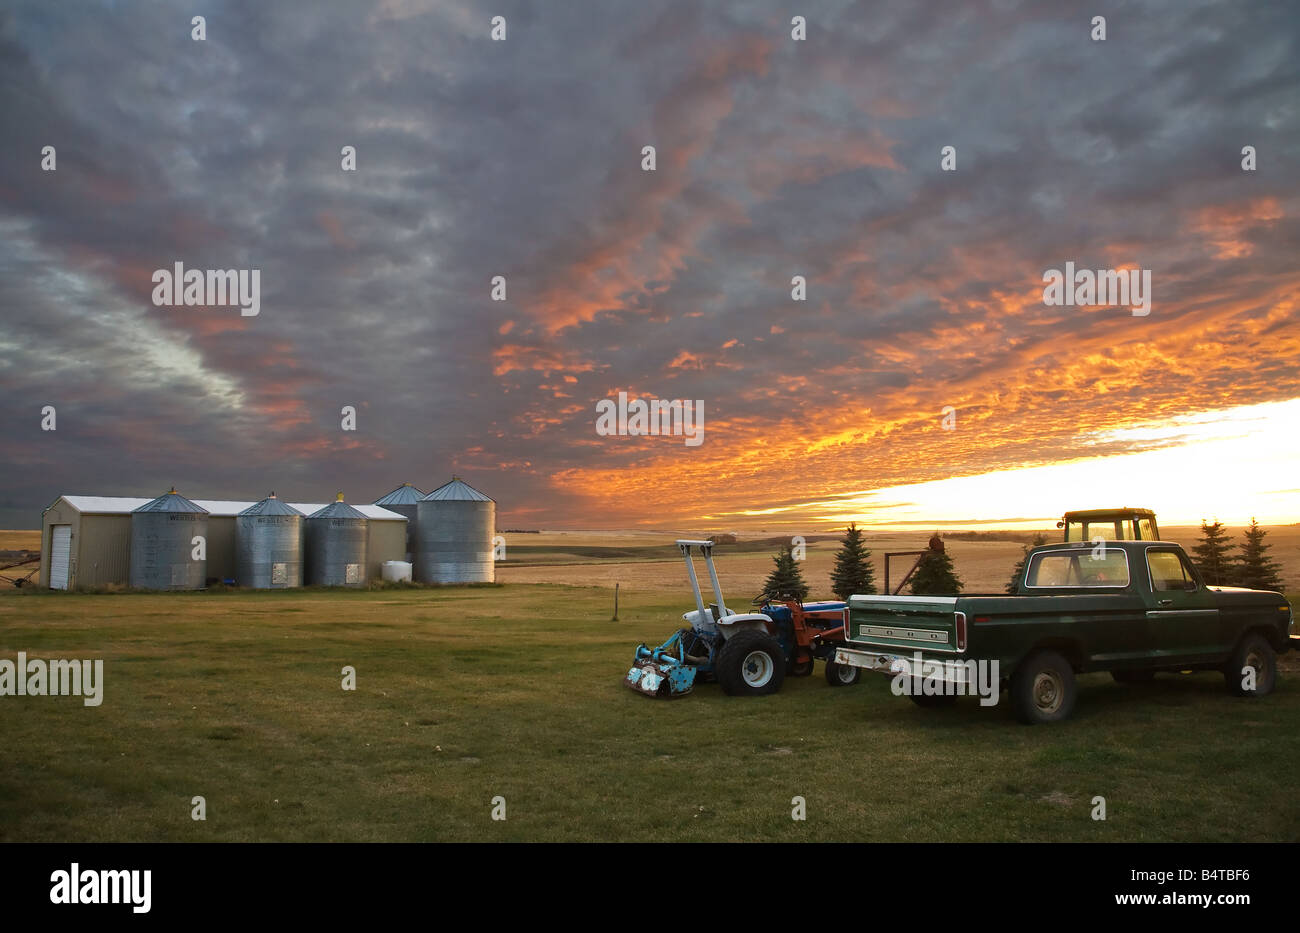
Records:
x=87, y=540
x=403, y=500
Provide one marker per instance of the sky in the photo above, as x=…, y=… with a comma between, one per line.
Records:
x=922, y=380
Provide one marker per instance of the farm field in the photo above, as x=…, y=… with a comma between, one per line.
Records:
x=514, y=691
x=642, y=561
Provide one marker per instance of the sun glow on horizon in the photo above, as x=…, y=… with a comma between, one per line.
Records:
x=1231, y=465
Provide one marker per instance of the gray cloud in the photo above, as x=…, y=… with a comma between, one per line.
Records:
x=522, y=158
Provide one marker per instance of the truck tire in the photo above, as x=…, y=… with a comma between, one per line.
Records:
x=1252, y=651
x=1133, y=677
x=751, y=663
x=1043, y=688
x=841, y=675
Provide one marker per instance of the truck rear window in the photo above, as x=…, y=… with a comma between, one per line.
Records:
x=1082, y=568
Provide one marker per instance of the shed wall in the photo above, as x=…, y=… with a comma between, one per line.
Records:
x=387, y=541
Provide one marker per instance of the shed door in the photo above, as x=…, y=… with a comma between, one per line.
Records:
x=60, y=555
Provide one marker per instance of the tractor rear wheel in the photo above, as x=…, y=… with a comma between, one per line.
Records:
x=751, y=663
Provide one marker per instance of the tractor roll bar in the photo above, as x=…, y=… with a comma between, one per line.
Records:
x=706, y=550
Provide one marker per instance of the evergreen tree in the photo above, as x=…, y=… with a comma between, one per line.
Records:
x=853, y=572
x=1039, y=540
x=1213, y=556
x=1255, y=569
x=935, y=576
x=786, y=579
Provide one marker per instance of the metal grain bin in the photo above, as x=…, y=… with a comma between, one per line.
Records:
x=404, y=501
x=336, y=545
x=454, y=532
x=162, y=544
x=268, y=545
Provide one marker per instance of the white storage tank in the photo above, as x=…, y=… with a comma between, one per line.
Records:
x=454, y=532
x=397, y=571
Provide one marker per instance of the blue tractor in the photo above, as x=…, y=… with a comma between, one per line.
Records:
x=748, y=653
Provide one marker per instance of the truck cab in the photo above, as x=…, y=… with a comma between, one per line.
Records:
x=1110, y=525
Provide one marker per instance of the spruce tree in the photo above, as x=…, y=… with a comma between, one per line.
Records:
x=935, y=576
x=1213, y=556
x=853, y=572
x=786, y=579
x=1039, y=540
x=1255, y=569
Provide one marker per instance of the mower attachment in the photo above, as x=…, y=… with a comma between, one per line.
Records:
x=664, y=672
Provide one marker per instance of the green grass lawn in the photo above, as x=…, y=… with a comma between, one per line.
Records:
x=466, y=694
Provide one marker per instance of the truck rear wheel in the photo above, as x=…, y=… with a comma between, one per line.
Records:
x=1253, y=661
x=1043, y=688
x=751, y=663
x=841, y=675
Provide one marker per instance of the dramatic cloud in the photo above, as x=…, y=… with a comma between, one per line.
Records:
x=522, y=158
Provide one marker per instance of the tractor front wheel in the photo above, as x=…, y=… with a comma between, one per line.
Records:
x=841, y=675
x=751, y=664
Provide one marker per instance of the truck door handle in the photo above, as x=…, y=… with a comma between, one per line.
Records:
x=1165, y=602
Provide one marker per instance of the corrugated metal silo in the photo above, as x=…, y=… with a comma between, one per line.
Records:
x=268, y=545
x=404, y=500
x=336, y=545
x=162, y=544
x=454, y=532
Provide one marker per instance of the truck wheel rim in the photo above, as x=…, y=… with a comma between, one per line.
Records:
x=1049, y=691
x=845, y=673
x=756, y=669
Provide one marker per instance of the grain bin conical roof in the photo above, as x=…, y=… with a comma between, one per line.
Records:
x=337, y=509
x=405, y=494
x=171, y=502
x=270, y=506
x=457, y=490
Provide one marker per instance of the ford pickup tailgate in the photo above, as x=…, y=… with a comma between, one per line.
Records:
x=903, y=624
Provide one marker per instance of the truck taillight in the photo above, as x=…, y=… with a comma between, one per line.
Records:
x=961, y=630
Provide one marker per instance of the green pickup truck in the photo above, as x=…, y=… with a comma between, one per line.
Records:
x=1133, y=608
